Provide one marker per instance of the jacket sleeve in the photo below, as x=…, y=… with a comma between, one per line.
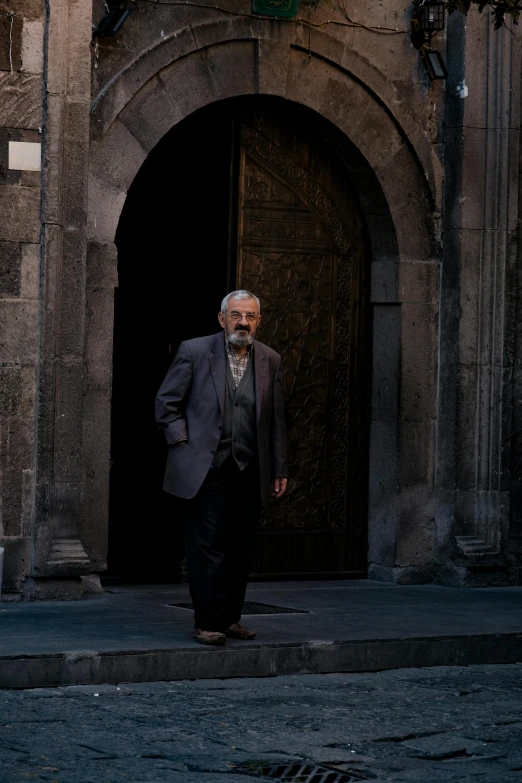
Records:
x=172, y=396
x=278, y=439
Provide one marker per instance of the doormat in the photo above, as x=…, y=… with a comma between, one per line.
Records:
x=252, y=607
x=300, y=772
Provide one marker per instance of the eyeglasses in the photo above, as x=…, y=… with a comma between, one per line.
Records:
x=235, y=315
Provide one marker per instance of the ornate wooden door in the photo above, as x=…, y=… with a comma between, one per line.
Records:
x=301, y=248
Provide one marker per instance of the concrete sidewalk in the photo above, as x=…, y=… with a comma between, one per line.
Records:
x=133, y=634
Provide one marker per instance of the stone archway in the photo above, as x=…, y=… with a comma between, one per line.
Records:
x=397, y=178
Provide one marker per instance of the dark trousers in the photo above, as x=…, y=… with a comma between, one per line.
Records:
x=220, y=529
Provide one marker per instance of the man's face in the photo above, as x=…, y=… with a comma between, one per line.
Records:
x=241, y=321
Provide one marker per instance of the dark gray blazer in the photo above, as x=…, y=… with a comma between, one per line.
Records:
x=190, y=405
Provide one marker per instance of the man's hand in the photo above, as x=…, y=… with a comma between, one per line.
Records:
x=279, y=487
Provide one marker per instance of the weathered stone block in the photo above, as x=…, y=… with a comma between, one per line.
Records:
x=20, y=210
x=105, y=205
x=188, y=83
x=305, y=84
x=21, y=96
x=417, y=453
x=18, y=331
x=99, y=327
x=10, y=260
x=418, y=361
x=150, y=115
x=68, y=589
x=68, y=424
x=10, y=391
x=91, y=584
x=78, y=43
x=32, y=46
x=232, y=69
x=177, y=45
x=16, y=564
x=30, y=272
x=376, y=135
x=72, y=281
x=120, y=157
x=406, y=191
x=415, y=527
x=272, y=67
x=419, y=281
x=102, y=265
x=382, y=492
x=95, y=471
x=52, y=161
x=76, y=164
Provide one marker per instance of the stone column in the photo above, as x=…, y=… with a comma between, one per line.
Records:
x=482, y=155
x=58, y=549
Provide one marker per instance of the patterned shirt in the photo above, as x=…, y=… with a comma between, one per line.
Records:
x=238, y=363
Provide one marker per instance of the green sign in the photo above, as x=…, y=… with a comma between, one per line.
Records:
x=286, y=8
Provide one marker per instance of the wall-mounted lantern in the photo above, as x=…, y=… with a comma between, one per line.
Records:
x=429, y=18
x=434, y=64
x=432, y=17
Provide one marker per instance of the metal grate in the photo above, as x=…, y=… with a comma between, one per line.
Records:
x=252, y=607
x=300, y=772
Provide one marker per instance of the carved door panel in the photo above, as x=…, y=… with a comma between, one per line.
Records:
x=301, y=248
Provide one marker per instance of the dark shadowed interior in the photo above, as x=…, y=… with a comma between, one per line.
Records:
x=172, y=265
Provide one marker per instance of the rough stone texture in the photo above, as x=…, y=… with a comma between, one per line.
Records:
x=21, y=100
x=20, y=208
x=440, y=724
x=30, y=272
x=18, y=331
x=10, y=262
x=53, y=589
x=33, y=46
x=10, y=390
x=17, y=557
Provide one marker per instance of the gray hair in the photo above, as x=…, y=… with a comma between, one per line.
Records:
x=241, y=294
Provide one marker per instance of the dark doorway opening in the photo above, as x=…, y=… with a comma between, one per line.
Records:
x=172, y=244
x=251, y=192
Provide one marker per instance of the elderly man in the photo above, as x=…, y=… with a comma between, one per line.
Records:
x=221, y=407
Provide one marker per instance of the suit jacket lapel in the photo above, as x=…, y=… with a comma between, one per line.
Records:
x=261, y=366
x=217, y=367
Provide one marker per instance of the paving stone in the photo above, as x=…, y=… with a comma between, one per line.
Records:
x=407, y=725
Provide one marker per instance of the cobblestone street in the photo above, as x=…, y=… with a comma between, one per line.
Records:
x=443, y=723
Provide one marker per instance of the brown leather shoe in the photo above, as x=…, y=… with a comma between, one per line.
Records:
x=236, y=631
x=209, y=637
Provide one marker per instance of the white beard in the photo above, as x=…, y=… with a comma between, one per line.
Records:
x=240, y=339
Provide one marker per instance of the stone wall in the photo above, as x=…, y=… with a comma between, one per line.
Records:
x=445, y=367
x=21, y=119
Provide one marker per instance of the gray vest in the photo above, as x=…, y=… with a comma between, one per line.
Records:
x=239, y=435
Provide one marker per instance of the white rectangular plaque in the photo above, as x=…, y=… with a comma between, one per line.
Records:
x=25, y=155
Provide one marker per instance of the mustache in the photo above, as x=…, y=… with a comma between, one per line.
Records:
x=239, y=328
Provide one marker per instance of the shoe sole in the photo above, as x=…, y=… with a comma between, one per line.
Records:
x=212, y=642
